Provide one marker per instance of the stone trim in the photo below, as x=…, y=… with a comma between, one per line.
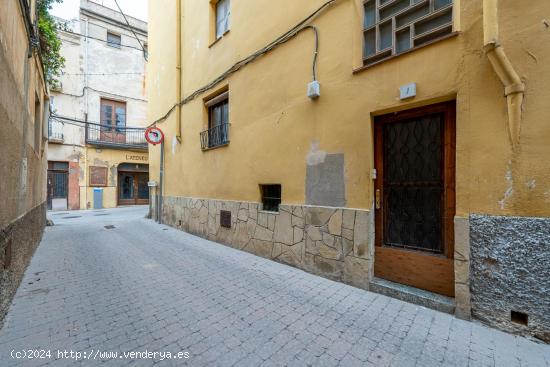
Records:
x=336, y=243
x=463, y=308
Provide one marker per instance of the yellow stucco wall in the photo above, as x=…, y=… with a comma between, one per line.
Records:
x=110, y=158
x=23, y=148
x=273, y=123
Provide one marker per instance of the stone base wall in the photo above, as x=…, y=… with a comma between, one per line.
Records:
x=510, y=271
x=332, y=242
x=18, y=241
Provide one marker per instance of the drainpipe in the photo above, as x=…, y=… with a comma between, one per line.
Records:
x=514, y=88
x=178, y=70
x=161, y=184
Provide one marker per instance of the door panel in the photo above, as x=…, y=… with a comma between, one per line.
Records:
x=133, y=188
x=415, y=157
x=126, y=189
x=142, y=188
x=58, y=186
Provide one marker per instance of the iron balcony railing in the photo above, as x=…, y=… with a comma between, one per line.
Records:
x=55, y=130
x=215, y=137
x=116, y=137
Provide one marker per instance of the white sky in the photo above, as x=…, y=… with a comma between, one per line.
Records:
x=69, y=8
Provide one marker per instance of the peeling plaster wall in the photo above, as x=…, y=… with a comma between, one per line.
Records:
x=273, y=122
x=80, y=95
x=22, y=160
x=325, y=181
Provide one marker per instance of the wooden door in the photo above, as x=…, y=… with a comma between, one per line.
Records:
x=415, y=197
x=133, y=188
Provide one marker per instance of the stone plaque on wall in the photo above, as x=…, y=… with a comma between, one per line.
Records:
x=98, y=176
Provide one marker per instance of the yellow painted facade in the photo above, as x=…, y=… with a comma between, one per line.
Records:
x=493, y=67
x=273, y=123
x=110, y=158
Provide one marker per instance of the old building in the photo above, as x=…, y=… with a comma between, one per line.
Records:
x=98, y=153
x=23, y=146
x=399, y=146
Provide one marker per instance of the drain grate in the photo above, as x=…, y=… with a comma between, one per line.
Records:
x=73, y=217
x=110, y=226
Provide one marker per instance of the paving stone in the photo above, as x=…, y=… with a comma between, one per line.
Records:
x=141, y=287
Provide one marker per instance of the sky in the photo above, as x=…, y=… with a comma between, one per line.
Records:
x=135, y=8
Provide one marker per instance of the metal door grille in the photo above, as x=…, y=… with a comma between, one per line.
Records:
x=59, y=185
x=413, y=183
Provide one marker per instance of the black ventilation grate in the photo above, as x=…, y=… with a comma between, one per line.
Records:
x=225, y=218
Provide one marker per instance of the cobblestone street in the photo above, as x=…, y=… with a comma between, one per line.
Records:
x=141, y=286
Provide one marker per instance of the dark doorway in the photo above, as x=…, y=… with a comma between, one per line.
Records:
x=415, y=197
x=133, y=186
x=58, y=185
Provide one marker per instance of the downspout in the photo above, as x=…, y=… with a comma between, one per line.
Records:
x=86, y=61
x=514, y=88
x=178, y=70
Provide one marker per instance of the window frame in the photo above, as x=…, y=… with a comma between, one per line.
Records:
x=272, y=197
x=113, y=44
x=37, y=123
x=213, y=139
x=114, y=104
x=218, y=34
x=371, y=27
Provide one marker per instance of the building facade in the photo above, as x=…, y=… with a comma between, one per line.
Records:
x=98, y=153
x=398, y=146
x=23, y=144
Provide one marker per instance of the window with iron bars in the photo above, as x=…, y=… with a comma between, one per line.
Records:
x=271, y=197
x=218, y=122
x=392, y=27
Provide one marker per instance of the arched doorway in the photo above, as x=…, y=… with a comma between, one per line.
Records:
x=132, y=188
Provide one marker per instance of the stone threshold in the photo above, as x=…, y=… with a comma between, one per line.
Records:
x=413, y=295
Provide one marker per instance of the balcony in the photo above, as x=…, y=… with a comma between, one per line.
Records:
x=218, y=136
x=121, y=137
x=55, y=131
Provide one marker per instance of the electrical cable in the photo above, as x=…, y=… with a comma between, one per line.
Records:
x=132, y=30
x=102, y=92
x=293, y=32
x=100, y=74
x=102, y=40
x=83, y=123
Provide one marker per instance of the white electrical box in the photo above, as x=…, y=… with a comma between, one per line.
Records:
x=314, y=89
x=407, y=91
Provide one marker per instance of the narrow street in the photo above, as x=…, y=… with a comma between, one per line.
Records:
x=112, y=281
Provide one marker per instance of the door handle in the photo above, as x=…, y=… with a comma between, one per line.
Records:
x=377, y=199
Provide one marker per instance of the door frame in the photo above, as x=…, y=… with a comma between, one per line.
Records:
x=135, y=200
x=428, y=271
x=50, y=183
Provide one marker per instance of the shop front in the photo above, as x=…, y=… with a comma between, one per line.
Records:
x=132, y=186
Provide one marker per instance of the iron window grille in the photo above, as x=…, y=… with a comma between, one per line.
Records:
x=271, y=197
x=392, y=27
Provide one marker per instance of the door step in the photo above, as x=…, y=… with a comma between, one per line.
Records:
x=413, y=295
